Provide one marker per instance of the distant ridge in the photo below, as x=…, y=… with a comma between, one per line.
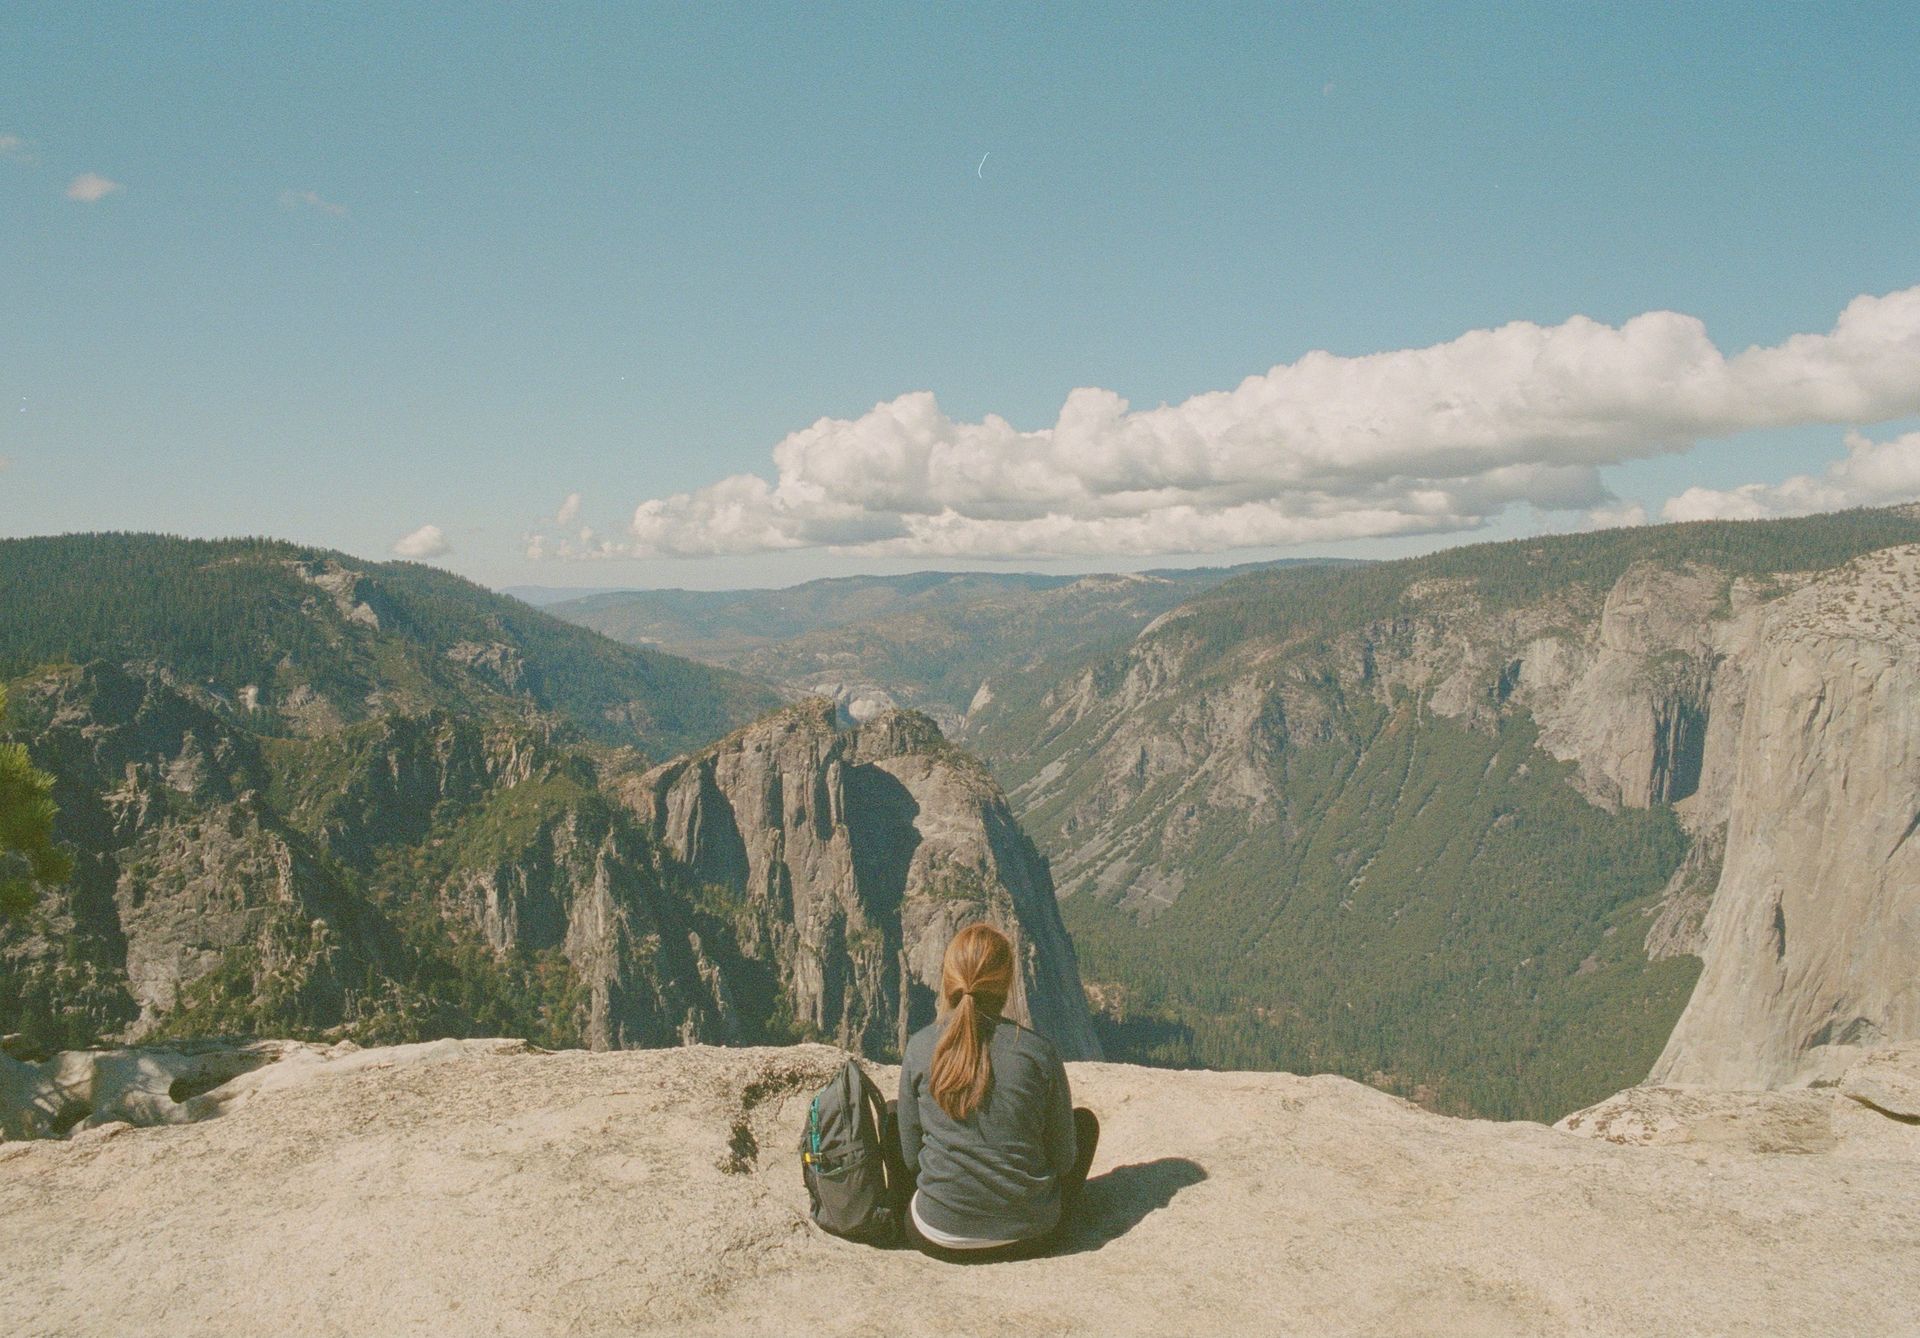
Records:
x=296, y=631
x=824, y=603
x=928, y=640
x=542, y=595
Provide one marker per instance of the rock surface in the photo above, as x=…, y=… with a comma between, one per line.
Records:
x=1813, y=941
x=1887, y=1081
x=462, y=1188
x=1875, y=1104
x=78, y=1090
x=856, y=855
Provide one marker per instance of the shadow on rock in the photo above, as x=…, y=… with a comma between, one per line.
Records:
x=1115, y=1203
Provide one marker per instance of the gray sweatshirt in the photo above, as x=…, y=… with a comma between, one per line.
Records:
x=997, y=1175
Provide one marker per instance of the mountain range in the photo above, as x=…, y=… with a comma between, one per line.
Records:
x=1502, y=829
x=309, y=795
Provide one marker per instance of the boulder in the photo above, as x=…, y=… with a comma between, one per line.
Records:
x=1887, y=1081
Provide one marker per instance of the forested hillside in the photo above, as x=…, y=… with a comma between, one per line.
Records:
x=306, y=796
x=298, y=637
x=305, y=793
x=1434, y=823
x=718, y=625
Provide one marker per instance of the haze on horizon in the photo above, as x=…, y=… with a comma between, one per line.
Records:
x=655, y=297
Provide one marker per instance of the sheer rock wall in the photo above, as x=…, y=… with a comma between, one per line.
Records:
x=855, y=855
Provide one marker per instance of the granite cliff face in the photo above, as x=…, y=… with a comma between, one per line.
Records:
x=1780, y=717
x=177, y=860
x=407, y=875
x=1742, y=706
x=851, y=858
x=1812, y=945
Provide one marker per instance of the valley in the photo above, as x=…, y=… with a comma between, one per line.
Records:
x=1502, y=829
x=1453, y=825
x=911, y=669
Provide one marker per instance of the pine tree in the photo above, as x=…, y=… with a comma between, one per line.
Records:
x=27, y=853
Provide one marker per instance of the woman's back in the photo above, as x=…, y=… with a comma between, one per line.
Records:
x=997, y=1174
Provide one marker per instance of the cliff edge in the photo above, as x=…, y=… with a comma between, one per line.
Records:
x=476, y=1187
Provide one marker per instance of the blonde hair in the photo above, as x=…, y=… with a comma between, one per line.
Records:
x=975, y=979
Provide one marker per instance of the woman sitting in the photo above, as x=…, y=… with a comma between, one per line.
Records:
x=994, y=1152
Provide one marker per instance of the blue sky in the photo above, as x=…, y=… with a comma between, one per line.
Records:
x=339, y=274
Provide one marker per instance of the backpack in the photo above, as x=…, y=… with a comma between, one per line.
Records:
x=842, y=1162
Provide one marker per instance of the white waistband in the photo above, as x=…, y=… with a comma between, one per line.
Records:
x=946, y=1242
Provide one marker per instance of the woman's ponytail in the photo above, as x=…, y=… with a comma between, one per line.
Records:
x=975, y=979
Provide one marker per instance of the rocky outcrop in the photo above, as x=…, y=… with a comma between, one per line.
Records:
x=414, y=875
x=1629, y=701
x=180, y=861
x=1812, y=946
x=1222, y=1203
x=1871, y=1109
x=585, y=885
x=853, y=857
x=76, y=1091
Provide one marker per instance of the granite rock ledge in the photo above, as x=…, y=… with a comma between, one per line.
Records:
x=481, y=1188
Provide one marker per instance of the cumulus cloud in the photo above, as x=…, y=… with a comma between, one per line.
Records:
x=569, y=510
x=1417, y=441
x=16, y=148
x=308, y=199
x=425, y=542
x=91, y=187
x=582, y=545
x=1616, y=516
x=1871, y=473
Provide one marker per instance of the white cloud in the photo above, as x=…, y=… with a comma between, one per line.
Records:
x=16, y=148
x=569, y=510
x=91, y=187
x=425, y=542
x=307, y=199
x=583, y=545
x=1871, y=473
x=1616, y=516
x=1425, y=440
